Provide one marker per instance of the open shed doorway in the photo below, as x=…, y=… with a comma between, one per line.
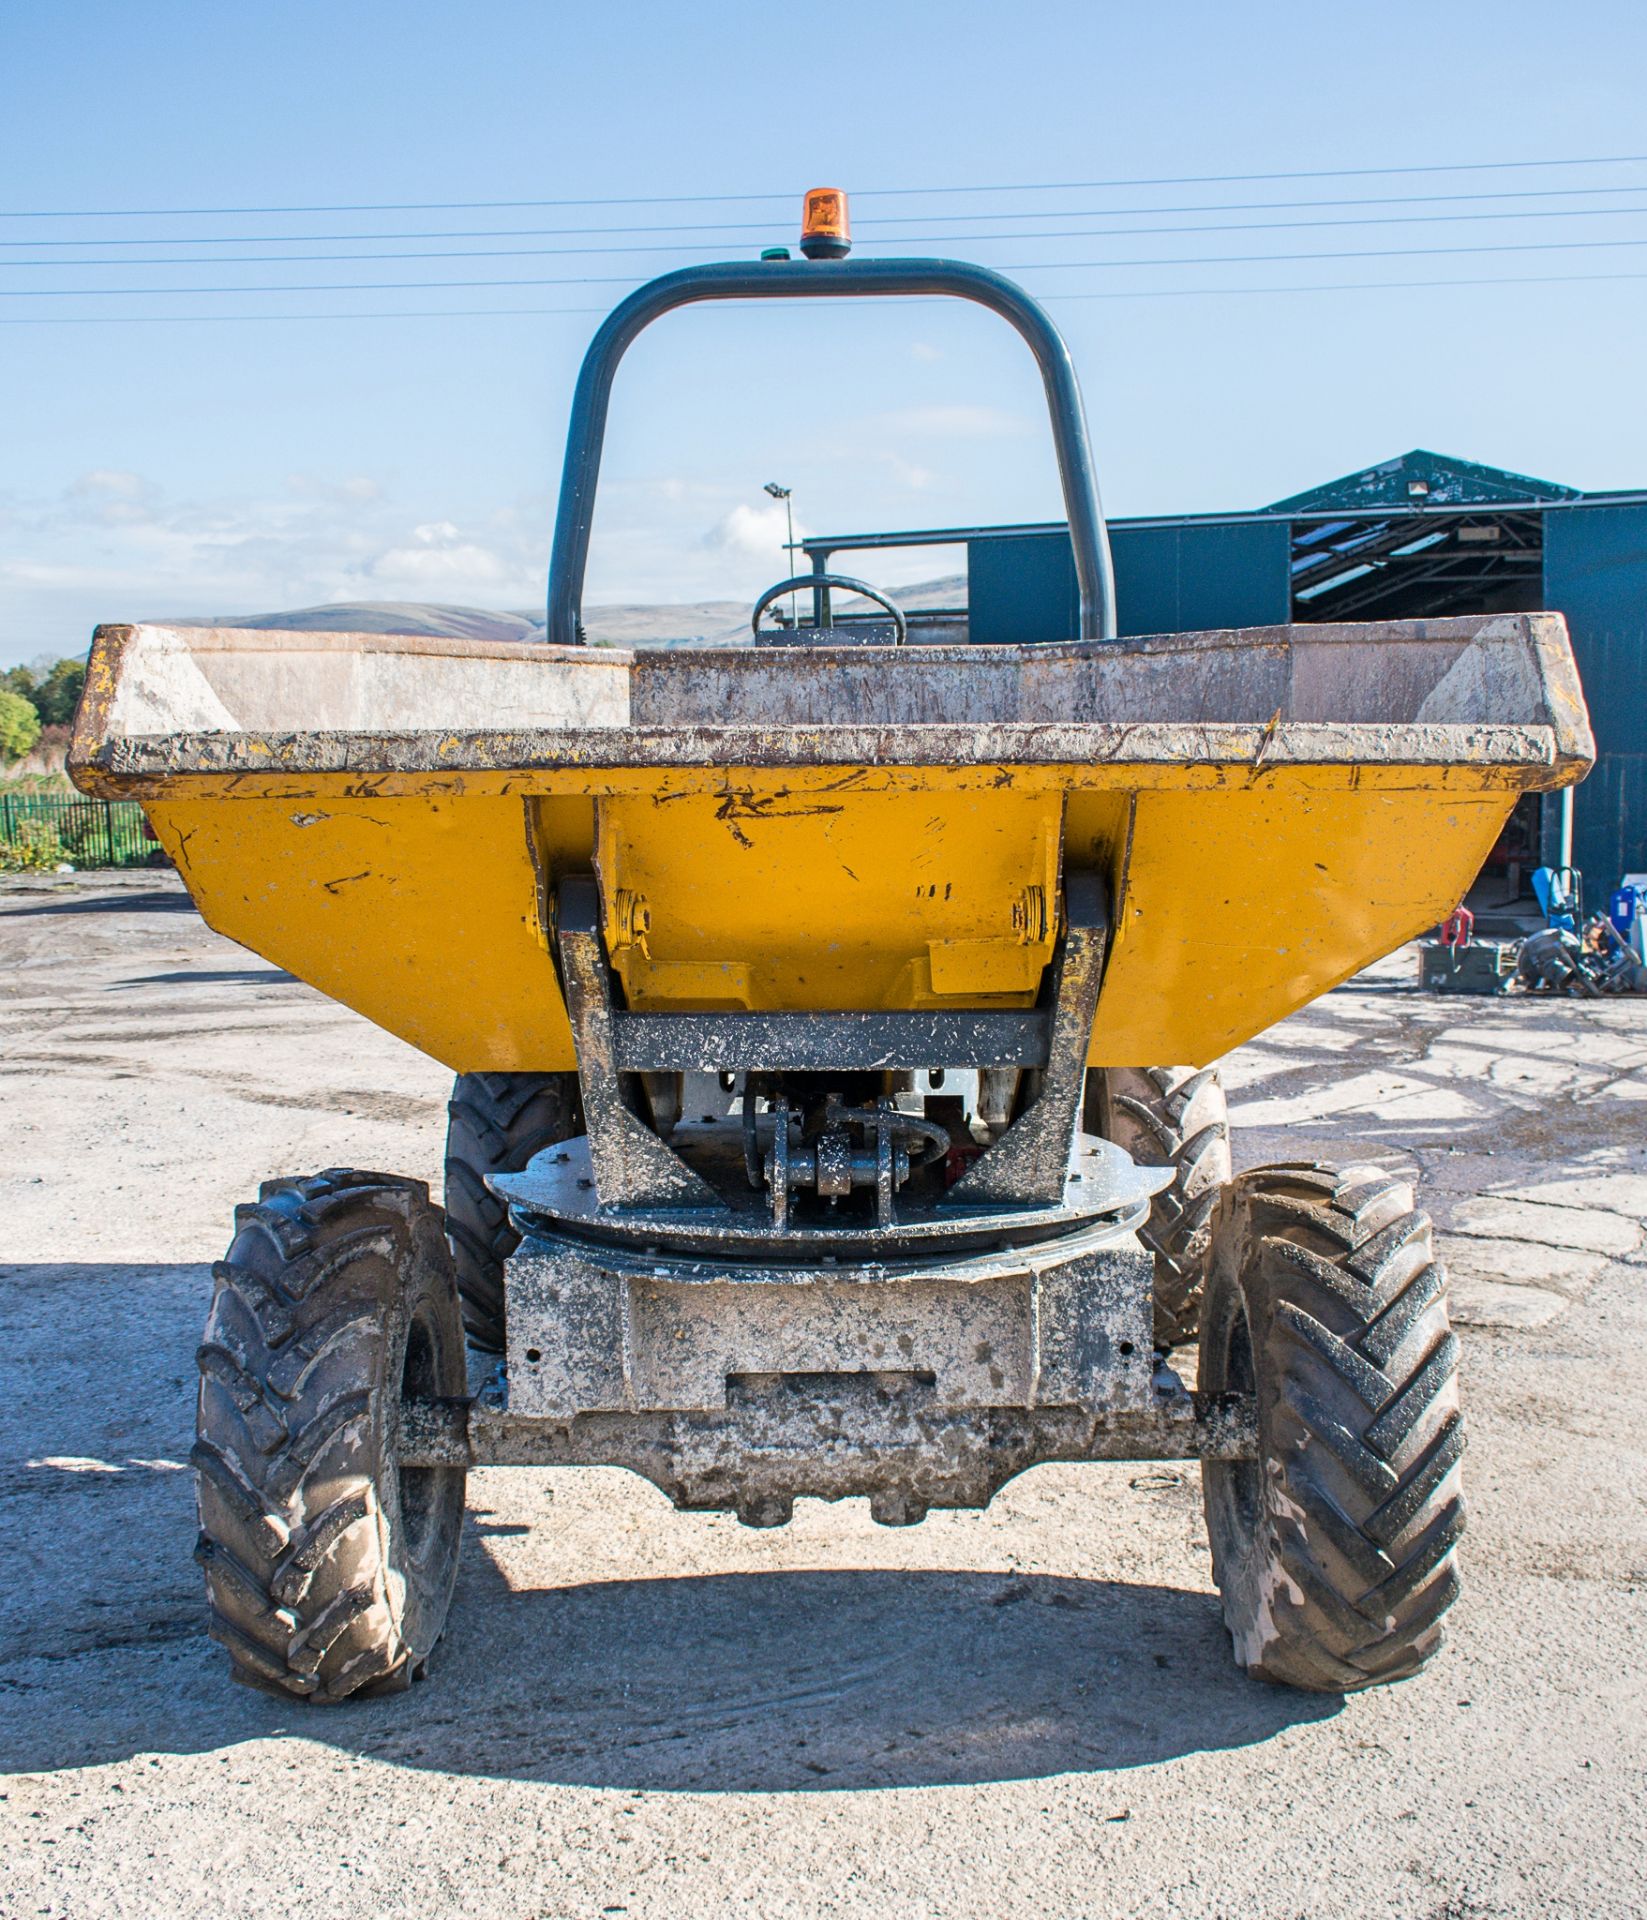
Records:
x=1429, y=564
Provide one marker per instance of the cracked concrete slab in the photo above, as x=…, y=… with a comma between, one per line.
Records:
x=1558, y=1270
x=1516, y=1115
x=1549, y=1224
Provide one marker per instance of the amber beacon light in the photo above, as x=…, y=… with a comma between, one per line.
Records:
x=826, y=232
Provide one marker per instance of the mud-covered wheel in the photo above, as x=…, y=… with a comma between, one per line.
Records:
x=329, y=1569
x=495, y=1123
x=1334, y=1549
x=1170, y=1117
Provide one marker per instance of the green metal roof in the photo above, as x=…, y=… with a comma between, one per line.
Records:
x=1421, y=478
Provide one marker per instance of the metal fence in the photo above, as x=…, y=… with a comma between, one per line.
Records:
x=48, y=828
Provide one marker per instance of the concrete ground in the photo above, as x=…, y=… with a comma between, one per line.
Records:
x=1028, y=1711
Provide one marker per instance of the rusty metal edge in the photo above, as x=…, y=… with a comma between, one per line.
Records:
x=153, y=763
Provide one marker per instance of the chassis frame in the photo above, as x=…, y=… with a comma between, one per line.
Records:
x=660, y=1320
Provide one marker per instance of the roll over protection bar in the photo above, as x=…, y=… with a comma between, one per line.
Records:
x=828, y=279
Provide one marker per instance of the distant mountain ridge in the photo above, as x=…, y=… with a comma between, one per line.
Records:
x=685, y=623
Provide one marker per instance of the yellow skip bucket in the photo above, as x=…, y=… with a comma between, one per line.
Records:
x=820, y=828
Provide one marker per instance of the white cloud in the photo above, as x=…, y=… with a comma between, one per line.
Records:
x=114, y=546
x=924, y=350
x=109, y=480
x=440, y=558
x=753, y=531
x=112, y=496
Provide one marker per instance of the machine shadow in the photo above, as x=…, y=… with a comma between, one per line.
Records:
x=716, y=1683
x=157, y=901
x=210, y=977
x=828, y=1681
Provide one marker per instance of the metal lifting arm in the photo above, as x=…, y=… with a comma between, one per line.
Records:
x=835, y=279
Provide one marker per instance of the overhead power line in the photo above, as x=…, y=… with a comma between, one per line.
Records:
x=899, y=240
x=866, y=193
x=1353, y=286
x=764, y=227
x=525, y=313
x=1021, y=266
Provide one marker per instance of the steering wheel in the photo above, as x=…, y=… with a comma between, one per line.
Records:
x=845, y=584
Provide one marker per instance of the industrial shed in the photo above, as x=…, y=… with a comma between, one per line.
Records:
x=1419, y=536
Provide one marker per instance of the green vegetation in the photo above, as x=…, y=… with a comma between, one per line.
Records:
x=32, y=848
x=44, y=823
x=19, y=725
x=51, y=687
x=40, y=831
x=37, y=704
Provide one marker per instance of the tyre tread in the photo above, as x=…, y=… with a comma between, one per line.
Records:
x=1361, y=1433
x=290, y=1539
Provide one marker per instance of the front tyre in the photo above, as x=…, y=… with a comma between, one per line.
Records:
x=1334, y=1549
x=329, y=1568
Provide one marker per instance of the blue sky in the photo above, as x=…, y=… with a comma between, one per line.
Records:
x=192, y=452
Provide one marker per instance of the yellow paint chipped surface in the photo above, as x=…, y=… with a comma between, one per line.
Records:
x=1240, y=894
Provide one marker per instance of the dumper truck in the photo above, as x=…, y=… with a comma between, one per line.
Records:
x=806, y=1000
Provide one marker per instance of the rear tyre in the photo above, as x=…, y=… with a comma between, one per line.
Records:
x=329, y=1569
x=495, y=1123
x=1170, y=1117
x=1334, y=1549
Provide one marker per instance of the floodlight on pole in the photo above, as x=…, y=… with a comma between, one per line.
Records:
x=783, y=493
